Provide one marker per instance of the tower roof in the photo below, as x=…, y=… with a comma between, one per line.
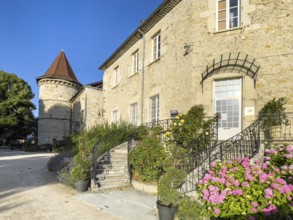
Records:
x=60, y=69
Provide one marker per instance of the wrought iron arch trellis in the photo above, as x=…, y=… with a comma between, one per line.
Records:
x=232, y=62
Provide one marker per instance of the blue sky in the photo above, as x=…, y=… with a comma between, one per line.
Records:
x=33, y=32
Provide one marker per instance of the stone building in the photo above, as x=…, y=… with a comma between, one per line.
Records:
x=232, y=56
x=65, y=105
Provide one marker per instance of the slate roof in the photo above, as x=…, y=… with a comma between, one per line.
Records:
x=60, y=69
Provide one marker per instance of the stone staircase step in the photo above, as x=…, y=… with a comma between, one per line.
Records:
x=111, y=175
x=114, y=170
x=114, y=185
x=113, y=180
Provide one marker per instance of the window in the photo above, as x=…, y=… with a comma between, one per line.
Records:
x=135, y=58
x=116, y=76
x=156, y=47
x=115, y=116
x=133, y=114
x=228, y=14
x=155, y=108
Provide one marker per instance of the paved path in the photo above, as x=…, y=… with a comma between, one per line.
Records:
x=29, y=192
x=129, y=204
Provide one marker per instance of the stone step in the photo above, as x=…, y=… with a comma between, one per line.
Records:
x=115, y=160
x=113, y=185
x=104, y=176
x=112, y=166
x=114, y=170
x=113, y=180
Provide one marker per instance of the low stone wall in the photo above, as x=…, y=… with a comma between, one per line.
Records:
x=144, y=187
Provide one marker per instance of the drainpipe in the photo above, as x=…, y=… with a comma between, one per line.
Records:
x=142, y=75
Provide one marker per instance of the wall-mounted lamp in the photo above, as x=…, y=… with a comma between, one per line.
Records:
x=186, y=48
x=173, y=113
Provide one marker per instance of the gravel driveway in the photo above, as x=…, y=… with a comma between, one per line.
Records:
x=29, y=191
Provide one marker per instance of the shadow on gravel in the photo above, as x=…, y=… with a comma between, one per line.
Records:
x=21, y=171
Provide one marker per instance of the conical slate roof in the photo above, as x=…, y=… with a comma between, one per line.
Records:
x=60, y=69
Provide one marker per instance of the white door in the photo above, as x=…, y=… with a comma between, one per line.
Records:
x=227, y=102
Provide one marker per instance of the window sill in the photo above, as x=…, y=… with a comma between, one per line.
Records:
x=133, y=74
x=228, y=30
x=154, y=61
x=115, y=86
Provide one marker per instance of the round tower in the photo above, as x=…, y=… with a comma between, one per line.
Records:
x=56, y=88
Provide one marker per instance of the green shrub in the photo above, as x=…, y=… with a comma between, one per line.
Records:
x=168, y=184
x=63, y=174
x=55, y=163
x=147, y=159
x=186, y=128
x=273, y=113
x=190, y=210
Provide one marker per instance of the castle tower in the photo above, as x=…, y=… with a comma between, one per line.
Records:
x=56, y=87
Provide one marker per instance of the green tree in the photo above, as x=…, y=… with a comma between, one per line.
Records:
x=16, y=117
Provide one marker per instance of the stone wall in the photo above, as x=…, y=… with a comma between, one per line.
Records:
x=87, y=109
x=265, y=35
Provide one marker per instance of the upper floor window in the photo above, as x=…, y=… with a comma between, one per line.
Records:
x=228, y=14
x=116, y=79
x=135, y=59
x=133, y=113
x=156, y=46
x=155, y=108
x=115, y=116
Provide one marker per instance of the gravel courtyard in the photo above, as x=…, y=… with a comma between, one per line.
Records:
x=28, y=191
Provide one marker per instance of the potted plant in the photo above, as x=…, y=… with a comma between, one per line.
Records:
x=173, y=176
x=81, y=173
x=273, y=115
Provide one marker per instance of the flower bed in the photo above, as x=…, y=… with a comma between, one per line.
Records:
x=242, y=190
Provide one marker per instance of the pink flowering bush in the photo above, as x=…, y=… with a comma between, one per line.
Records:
x=281, y=157
x=241, y=189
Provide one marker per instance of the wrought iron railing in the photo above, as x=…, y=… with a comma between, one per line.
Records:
x=276, y=127
x=165, y=124
x=244, y=144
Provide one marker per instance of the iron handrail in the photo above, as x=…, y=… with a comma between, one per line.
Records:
x=244, y=144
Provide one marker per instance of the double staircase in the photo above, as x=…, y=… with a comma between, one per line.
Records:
x=111, y=169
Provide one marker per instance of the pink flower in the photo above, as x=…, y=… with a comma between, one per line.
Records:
x=275, y=186
x=213, y=164
x=263, y=177
x=245, y=184
x=245, y=164
x=284, y=167
x=281, y=181
x=254, y=204
x=289, y=148
x=268, y=193
x=237, y=192
x=253, y=210
x=217, y=211
x=286, y=189
x=235, y=183
x=249, y=177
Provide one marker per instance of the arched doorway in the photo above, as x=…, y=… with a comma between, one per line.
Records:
x=227, y=74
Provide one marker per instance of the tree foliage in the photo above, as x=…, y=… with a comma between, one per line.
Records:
x=16, y=117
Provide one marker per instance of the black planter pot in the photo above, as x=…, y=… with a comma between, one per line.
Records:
x=166, y=212
x=81, y=185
